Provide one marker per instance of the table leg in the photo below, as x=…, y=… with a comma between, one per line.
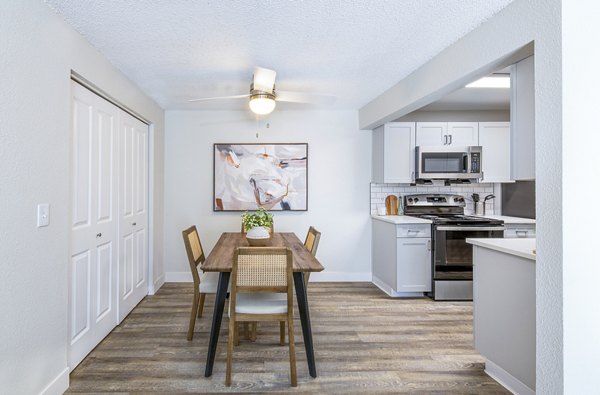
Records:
x=216, y=323
x=305, y=320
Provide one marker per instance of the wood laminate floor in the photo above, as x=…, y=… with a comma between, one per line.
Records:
x=365, y=342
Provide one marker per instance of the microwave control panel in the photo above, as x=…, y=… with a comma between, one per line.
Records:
x=475, y=162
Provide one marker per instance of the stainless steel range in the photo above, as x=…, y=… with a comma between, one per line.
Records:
x=452, y=257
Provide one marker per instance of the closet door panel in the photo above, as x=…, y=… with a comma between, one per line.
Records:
x=93, y=235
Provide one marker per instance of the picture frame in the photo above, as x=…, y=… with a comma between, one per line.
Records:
x=247, y=176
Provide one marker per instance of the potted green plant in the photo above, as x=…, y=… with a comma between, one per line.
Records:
x=258, y=226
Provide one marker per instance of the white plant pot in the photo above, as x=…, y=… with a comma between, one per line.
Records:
x=258, y=236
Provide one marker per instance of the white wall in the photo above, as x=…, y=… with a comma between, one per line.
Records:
x=338, y=184
x=503, y=39
x=581, y=150
x=38, y=53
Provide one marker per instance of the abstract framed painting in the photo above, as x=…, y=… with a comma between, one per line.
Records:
x=273, y=176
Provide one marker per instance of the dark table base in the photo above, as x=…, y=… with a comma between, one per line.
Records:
x=218, y=317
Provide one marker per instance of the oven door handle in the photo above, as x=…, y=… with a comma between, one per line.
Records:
x=469, y=228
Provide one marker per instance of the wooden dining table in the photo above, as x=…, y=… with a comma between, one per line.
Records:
x=220, y=260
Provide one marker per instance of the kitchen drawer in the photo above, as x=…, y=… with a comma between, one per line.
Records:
x=413, y=230
x=519, y=231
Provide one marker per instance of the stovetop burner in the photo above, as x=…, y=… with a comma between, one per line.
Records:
x=443, y=209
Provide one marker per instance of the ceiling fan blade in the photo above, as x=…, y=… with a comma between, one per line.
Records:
x=220, y=98
x=264, y=79
x=304, y=97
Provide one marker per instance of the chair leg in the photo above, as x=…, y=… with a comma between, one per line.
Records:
x=253, y=332
x=190, y=333
x=236, y=335
x=290, y=323
x=281, y=333
x=246, y=331
x=201, y=305
x=232, y=335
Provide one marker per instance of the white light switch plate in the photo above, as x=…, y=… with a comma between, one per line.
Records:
x=43, y=214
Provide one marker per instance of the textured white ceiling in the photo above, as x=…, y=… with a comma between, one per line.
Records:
x=354, y=49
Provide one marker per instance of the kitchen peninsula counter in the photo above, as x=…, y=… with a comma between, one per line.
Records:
x=504, y=310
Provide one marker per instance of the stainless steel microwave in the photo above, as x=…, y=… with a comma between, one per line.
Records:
x=448, y=163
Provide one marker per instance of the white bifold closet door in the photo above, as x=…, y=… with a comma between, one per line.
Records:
x=133, y=214
x=102, y=185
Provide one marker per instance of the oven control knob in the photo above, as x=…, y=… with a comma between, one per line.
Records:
x=410, y=200
x=456, y=199
x=416, y=200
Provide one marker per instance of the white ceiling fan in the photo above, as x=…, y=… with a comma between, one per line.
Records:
x=263, y=96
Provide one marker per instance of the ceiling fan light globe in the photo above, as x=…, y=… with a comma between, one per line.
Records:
x=262, y=105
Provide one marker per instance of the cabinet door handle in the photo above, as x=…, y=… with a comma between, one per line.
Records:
x=445, y=139
x=429, y=245
x=99, y=235
x=522, y=232
x=134, y=223
x=450, y=143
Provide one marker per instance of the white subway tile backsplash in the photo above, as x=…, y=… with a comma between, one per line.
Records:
x=380, y=191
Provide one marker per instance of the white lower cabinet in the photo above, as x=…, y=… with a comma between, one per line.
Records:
x=513, y=231
x=402, y=258
x=413, y=257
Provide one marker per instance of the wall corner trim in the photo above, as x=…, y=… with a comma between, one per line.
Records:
x=159, y=282
x=59, y=385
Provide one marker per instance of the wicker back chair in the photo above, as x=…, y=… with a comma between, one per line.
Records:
x=203, y=282
x=311, y=243
x=261, y=290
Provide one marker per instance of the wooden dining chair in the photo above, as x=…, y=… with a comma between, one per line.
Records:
x=204, y=283
x=311, y=243
x=261, y=290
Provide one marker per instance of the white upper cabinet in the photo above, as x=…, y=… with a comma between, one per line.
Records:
x=447, y=133
x=463, y=133
x=494, y=138
x=432, y=133
x=394, y=153
x=522, y=121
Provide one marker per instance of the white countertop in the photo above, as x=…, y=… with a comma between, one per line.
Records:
x=407, y=219
x=520, y=247
x=511, y=220
x=400, y=219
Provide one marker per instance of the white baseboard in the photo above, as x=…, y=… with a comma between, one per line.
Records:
x=506, y=379
x=325, y=276
x=159, y=282
x=390, y=291
x=59, y=385
x=178, y=277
